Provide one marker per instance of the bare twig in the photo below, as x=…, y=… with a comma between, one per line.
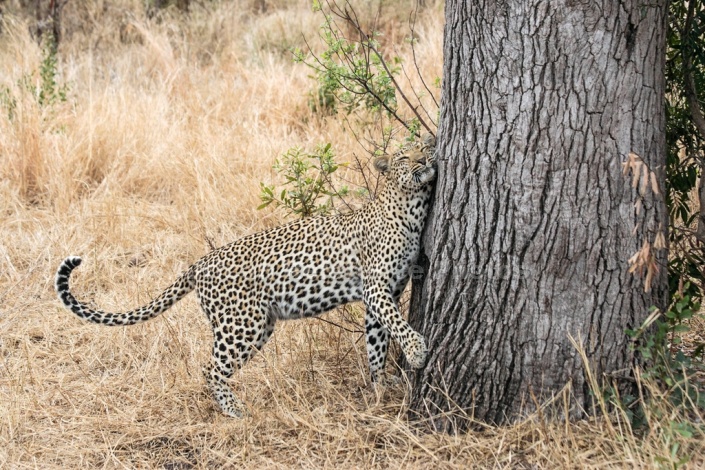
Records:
x=339, y=326
x=364, y=83
x=416, y=95
x=354, y=22
x=412, y=25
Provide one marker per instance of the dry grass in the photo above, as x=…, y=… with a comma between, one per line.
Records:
x=159, y=151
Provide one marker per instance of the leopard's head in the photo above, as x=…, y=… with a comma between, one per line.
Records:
x=412, y=167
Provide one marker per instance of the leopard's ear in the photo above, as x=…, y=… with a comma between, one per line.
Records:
x=382, y=164
x=428, y=139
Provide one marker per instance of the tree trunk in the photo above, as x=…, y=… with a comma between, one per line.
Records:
x=534, y=222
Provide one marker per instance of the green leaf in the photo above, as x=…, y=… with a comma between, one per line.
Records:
x=684, y=430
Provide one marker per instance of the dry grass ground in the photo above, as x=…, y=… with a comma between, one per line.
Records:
x=168, y=129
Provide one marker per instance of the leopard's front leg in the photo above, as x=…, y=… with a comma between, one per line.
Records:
x=381, y=305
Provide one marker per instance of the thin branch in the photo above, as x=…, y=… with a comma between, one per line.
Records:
x=357, y=159
x=354, y=22
x=329, y=181
x=416, y=95
x=362, y=82
x=412, y=26
x=339, y=326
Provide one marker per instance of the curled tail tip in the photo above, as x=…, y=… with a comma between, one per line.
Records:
x=72, y=261
x=64, y=271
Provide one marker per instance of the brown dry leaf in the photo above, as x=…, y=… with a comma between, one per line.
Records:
x=632, y=163
x=644, y=179
x=643, y=262
x=660, y=240
x=651, y=271
x=633, y=263
x=654, y=184
x=636, y=171
x=639, y=260
x=627, y=165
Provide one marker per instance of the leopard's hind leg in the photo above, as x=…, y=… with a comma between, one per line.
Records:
x=238, y=333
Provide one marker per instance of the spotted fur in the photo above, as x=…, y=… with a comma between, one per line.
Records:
x=302, y=269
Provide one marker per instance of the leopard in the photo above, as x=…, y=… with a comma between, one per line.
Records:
x=303, y=269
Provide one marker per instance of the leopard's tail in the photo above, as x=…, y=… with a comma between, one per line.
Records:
x=183, y=285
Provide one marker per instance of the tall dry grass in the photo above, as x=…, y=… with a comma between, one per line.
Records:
x=158, y=152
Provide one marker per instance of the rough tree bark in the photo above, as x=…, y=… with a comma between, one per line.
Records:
x=534, y=221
